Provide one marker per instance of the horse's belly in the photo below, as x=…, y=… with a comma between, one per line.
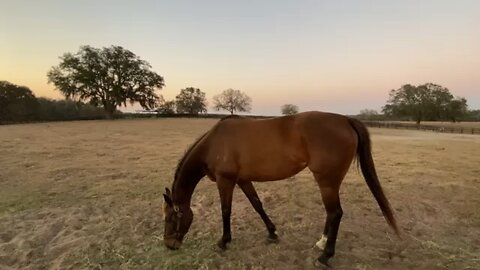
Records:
x=271, y=172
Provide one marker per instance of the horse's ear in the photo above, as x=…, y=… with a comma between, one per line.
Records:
x=168, y=200
x=168, y=193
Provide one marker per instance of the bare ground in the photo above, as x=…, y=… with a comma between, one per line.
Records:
x=81, y=195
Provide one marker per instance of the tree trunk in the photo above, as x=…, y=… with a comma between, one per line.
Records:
x=110, y=110
x=109, y=114
x=418, y=118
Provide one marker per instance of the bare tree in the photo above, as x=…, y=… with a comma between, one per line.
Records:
x=232, y=100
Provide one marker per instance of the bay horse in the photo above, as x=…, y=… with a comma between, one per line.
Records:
x=238, y=150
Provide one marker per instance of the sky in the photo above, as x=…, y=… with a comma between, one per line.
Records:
x=338, y=56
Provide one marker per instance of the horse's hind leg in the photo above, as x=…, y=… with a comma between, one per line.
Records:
x=329, y=189
x=249, y=190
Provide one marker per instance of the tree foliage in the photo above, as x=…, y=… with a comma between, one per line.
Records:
x=166, y=107
x=457, y=109
x=233, y=101
x=107, y=77
x=289, y=109
x=425, y=102
x=65, y=110
x=17, y=103
x=191, y=101
x=369, y=114
x=473, y=115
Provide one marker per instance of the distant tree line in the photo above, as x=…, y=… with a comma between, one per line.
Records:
x=193, y=101
x=19, y=104
x=96, y=81
x=426, y=102
x=111, y=77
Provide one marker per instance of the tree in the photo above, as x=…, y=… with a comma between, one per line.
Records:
x=191, y=101
x=289, y=109
x=424, y=102
x=166, y=107
x=17, y=103
x=64, y=110
x=457, y=109
x=368, y=114
x=473, y=115
x=233, y=101
x=107, y=77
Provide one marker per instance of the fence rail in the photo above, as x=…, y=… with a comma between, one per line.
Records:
x=443, y=129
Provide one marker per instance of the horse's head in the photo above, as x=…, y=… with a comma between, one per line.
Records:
x=178, y=219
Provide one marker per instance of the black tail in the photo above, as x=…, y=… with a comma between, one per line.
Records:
x=364, y=156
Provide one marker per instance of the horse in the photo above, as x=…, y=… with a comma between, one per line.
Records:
x=240, y=150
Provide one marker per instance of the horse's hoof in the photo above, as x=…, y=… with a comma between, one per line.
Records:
x=320, y=265
x=222, y=245
x=272, y=239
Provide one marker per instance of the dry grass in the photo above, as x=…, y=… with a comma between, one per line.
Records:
x=88, y=195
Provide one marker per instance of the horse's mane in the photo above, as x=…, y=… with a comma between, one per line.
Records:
x=184, y=157
x=189, y=150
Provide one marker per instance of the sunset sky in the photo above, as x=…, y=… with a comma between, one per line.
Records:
x=340, y=56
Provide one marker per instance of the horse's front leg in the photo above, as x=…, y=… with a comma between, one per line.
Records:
x=225, y=188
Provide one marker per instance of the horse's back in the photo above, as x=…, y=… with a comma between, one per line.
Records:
x=277, y=147
x=310, y=127
x=256, y=149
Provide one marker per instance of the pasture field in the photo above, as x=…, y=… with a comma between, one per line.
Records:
x=88, y=195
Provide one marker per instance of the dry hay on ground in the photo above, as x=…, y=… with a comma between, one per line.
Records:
x=88, y=195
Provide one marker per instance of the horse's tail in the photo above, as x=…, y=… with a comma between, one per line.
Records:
x=364, y=156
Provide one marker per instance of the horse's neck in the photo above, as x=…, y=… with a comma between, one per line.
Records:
x=189, y=175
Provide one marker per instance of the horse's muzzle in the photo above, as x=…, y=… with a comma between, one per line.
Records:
x=172, y=243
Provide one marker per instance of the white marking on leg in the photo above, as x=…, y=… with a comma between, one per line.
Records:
x=322, y=242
